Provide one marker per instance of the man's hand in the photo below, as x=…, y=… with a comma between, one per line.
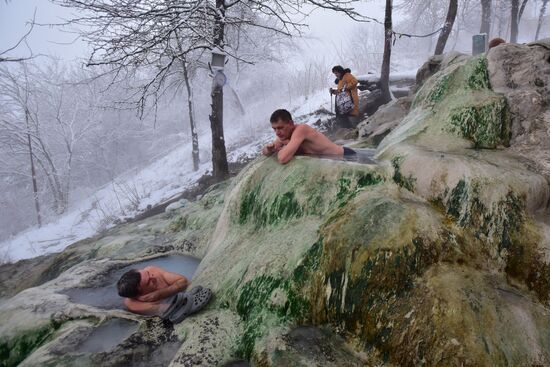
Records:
x=274, y=147
x=268, y=149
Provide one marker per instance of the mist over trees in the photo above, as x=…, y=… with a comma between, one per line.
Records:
x=133, y=33
x=66, y=130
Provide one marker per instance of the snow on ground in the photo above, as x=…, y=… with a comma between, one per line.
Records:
x=134, y=191
x=394, y=76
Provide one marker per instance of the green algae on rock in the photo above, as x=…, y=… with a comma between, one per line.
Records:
x=15, y=350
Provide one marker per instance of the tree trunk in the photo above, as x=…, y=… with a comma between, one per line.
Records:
x=521, y=9
x=220, y=167
x=388, y=37
x=502, y=30
x=541, y=18
x=447, y=27
x=514, y=21
x=33, y=173
x=194, y=136
x=485, y=17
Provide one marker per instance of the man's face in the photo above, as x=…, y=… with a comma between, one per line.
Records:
x=148, y=282
x=283, y=129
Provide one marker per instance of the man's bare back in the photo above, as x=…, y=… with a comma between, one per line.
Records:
x=314, y=142
x=295, y=139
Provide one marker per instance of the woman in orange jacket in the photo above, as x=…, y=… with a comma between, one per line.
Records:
x=348, y=82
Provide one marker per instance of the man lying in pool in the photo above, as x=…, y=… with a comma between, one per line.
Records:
x=295, y=139
x=153, y=291
x=146, y=291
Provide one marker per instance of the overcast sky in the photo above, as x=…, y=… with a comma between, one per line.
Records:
x=14, y=18
x=326, y=28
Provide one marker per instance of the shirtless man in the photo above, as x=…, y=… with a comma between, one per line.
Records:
x=298, y=139
x=147, y=291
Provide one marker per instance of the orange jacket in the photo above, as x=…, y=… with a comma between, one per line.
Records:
x=350, y=83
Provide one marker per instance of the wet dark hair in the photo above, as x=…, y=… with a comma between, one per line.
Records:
x=128, y=284
x=338, y=69
x=281, y=114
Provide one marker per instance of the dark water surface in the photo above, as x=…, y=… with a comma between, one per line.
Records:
x=362, y=156
x=106, y=297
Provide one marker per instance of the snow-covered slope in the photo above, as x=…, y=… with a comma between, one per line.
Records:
x=134, y=191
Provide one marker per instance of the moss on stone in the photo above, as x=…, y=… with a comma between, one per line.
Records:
x=15, y=350
x=256, y=304
x=178, y=224
x=406, y=182
x=264, y=206
x=494, y=225
x=441, y=88
x=459, y=195
x=350, y=184
x=478, y=77
x=309, y=264
x=281, y=208
x=487, y=124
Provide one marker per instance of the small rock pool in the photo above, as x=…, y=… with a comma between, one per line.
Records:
x=107, y=336
x=106, y=296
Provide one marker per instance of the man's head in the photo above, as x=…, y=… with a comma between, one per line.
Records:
x=128, y=284
x=136, y=282
x=282, y=124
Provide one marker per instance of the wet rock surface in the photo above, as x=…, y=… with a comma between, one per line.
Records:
x=309, y=346
x=372, y=130
x=522, y=74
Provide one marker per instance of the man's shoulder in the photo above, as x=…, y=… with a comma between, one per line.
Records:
x=303, y=128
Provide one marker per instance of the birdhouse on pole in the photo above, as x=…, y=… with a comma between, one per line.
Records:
x=218, y=59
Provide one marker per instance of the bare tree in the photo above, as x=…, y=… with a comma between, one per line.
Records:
x=135, y=33
x=45, y=124
x=388, y=37
x=521, y=10
x=514, y=21
x=541, y=18
x=485, y=17
x=191, y=109
x=220, y=167
x=447, y=27
x=5, y=54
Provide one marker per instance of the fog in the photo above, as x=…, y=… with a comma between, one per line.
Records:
x=85, y=125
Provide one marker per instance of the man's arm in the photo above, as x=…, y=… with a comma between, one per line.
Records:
x=144, y=308
x=176, y=283
x=288, y=151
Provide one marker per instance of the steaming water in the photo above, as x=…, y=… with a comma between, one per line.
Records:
x=362, y=156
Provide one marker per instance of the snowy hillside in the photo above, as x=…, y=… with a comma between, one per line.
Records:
x=132, y=192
